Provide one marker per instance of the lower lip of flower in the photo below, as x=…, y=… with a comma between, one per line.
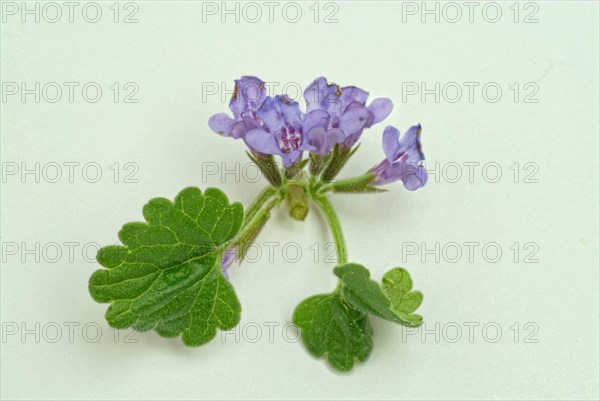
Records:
x=289, y=140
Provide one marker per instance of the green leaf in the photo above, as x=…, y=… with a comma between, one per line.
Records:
x=167, y=274
x=397, y=286
x=333, y=330
x=395, y=302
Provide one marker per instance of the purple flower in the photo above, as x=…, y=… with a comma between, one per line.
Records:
x=282, y=131
x=404, y=159
x=276, y=126
x=227, y=260
x=339, y=115
x=248, y=95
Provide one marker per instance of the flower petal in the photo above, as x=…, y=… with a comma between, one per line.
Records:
x=280, y=113
x=322, y=140
x=404, y=159
x=390, y=143
x=317, y=138
x=320, y=95
x=335, y=135
x=227, y=260
x=413, y=176
x=239, y=129
x=409, y=148
x=381, y=108
x=248, y=96
x=352, y=94
x=292, y=157
x=354, y=120
x=262, y=141
x=315, y=118
x=222, y=124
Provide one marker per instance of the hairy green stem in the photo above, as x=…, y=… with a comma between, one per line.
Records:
x=335, y=226
x=258, y=202
x=252, y=227
x=255, y=217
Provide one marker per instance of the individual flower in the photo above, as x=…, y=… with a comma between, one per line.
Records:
x=339, y=114
x=227, y=260
x=248, y=95
x=404, y=159
x=282, y=130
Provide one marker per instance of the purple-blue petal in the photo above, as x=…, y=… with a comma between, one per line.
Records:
x=262, y=141
x=404, y=159
x=291, y=158
x=221, y=124
x=354, y=120
x=409, y=148
x=412, y=176
x=315, y=118
x=381, y=108
x=317, y=138
x=390, y=143
x=248, y=96
x=227, y=260
x=320, y=95
x=280, y=113
x=350, y=94
x=415, y=177
x=351, y=140
x=323, y=140
x=240, y=128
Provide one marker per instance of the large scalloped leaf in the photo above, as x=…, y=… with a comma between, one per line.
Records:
x=332, y=330
x=166, y=276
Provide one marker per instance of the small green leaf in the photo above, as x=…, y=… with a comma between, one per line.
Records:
x=395, y=302
x=167, y=275
x=397, y=286
x=333, y=330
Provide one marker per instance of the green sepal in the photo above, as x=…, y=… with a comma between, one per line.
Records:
x=337, y=161
x=268, y=167
x=292, y=171
x=359, y=184
x=317, y=164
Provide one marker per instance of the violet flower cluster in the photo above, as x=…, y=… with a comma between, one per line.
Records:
x=334, y=116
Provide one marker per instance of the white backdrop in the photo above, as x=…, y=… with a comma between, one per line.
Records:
x=507, y=95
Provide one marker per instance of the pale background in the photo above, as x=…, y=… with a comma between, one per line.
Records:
x=169, y=54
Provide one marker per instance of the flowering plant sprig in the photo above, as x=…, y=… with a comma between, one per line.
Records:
x=171, y=273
